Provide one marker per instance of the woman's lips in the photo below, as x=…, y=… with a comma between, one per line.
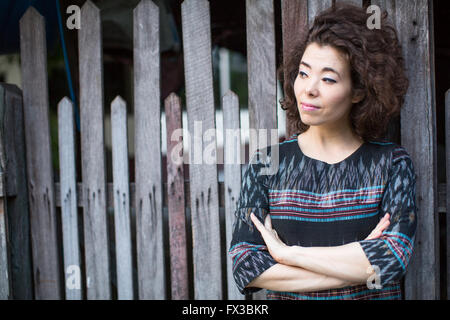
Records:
x=309, y=107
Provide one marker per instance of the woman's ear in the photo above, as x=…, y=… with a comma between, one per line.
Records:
x=358, y=96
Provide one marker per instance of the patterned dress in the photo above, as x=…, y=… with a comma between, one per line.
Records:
x=314, y=203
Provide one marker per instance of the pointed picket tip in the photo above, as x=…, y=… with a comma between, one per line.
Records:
x=146, y=5
x=89, y=6
x=229, y=95
x=172, y=97
x=31, y=15
x=64, y=103
x=118, y=104
x=65, y=100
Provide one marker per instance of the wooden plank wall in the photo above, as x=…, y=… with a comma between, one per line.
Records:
x=418, y=136
x=203, y=194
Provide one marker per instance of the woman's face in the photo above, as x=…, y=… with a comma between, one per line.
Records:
x=324, y=81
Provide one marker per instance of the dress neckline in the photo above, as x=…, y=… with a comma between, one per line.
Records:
x=349, y=157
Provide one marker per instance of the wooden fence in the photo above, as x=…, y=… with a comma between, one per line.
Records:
x=82, y=265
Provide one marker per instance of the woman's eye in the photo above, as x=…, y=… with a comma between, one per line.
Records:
x=301, y=73
x=328, y=80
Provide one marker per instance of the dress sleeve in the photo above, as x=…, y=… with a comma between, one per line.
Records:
x=248, y=251
x=391, y=253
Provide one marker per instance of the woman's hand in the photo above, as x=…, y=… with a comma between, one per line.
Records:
x=282, y=252
x=381, y=226
x=277, y=248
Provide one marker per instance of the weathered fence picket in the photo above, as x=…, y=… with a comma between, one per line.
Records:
x=202, y=167
x=69, y=209
x=262, y=90
x=176, y=204
x=15, y=191
x=418, y=136
x=232, y=176
x=122, y=225
x=447, y=150
x=147, y=110
x=46, y=260
x=294, y=17
x=93, y=154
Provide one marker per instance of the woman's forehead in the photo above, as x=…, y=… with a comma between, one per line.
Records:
x=320, y=57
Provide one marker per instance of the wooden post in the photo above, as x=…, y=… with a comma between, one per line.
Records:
x=295, y=29
x=15, y=191
x=232, y=177
x=203, y=164
x=46, y=260
x=69, y=210
x=93, y=154
x=147, y=108
x=447, y=150
x=261, y=77
x=121, y=199
x=5, y=270
x=176, y=204
x=262, y=90
x=418, y=136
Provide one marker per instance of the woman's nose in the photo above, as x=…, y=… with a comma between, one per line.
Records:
x=311, y=89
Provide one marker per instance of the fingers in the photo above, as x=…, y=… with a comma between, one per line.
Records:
x=381, y=226
x=256, y=221
x=268, y=222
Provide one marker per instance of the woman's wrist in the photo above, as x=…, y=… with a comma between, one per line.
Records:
x=292, y=256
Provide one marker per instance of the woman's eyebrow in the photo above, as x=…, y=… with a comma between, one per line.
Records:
x=323, y=69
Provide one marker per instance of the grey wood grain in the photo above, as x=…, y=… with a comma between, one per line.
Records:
x=389, y=6
x=46, y=260
x=232, y=178
x=149, y=219
x=262, y=91
x=315, y=8
x=5, y=272
x=294, y=30
x=419, y=138
x=202, y=169
x=447, y=151
x=69, y=210
x=16, y=192
x=93, y=154
x=261, y=78
x=358, y=3
x=122, y=225
x=176, y=204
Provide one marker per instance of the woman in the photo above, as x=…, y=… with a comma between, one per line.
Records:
x=337, y=221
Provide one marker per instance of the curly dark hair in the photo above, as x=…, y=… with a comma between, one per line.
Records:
x=376, y=64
